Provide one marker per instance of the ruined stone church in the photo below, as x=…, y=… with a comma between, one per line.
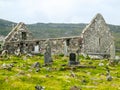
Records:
x=95, y=39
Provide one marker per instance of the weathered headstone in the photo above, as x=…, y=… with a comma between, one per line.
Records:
x=36, y=65
x=36, y=49
x=38, y=87
x=37, y=69
x=46, y=58
x=25, y=58
x=72, y=74
x=72, y=59
x=112, y=52
x=65, y=48
x=47, y=54
x=4, y=53
x=7, y=66
x=101, y=64
x=109, y=78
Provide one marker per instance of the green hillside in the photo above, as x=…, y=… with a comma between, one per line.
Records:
x=20, y=73
x=5, y=27
x=53, y=30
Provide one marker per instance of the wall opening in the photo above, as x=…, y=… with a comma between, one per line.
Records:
x=37, y=43
x=24, y=35
x=99, y=41
x=68, y=42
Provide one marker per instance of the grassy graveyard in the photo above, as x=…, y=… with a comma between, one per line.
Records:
x=18, y=73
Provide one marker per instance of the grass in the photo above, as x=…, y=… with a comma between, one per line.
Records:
x=55, y=76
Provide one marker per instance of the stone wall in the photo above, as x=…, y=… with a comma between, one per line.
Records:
x=97, y=37
x=58, y=45
x=19, y=33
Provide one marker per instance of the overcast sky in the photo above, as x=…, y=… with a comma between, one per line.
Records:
x=59, y=11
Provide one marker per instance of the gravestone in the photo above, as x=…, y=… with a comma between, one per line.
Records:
x=72, y=59
x=4, y=54
x=65, y=49
x=48, y=49
x=36, y=49
x=47, y=54
x=36, y=65
x=46, y=58
x=112, y=52
x=109, y=78
x=37, y=69
x=38, y=87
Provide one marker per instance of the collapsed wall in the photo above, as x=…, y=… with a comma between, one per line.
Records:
x=58, y=45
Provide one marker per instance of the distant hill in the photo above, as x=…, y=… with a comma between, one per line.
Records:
x=53, y=30
x=5, y=27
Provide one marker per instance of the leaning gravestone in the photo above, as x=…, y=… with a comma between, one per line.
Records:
x=36, y=65
x=72, y=59
x=4, y=53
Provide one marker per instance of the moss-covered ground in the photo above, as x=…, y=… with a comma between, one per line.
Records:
x=57, y=76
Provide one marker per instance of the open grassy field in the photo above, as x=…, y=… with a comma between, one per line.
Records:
x=58, y=76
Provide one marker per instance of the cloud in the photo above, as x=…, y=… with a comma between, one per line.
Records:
x=60, y=11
